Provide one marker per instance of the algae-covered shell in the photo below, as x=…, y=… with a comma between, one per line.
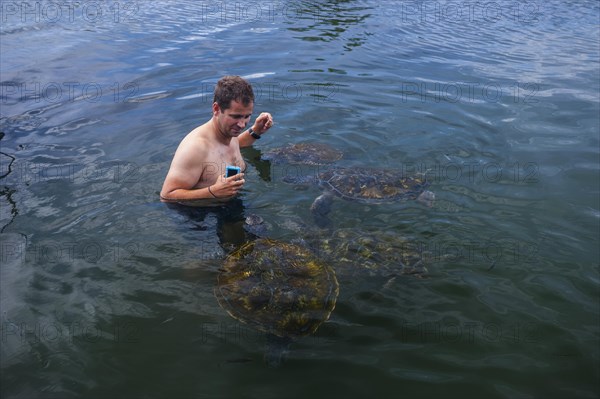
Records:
x=372, y=185
x=276, y=287
x=304, y=153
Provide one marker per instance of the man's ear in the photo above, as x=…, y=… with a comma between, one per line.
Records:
x=216, y=109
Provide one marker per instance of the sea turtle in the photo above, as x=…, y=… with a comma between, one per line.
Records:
x=303, y=153
x=366, y=185
x=356, y=252
x=279, y=288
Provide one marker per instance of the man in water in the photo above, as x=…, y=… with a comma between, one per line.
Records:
x=198, y=167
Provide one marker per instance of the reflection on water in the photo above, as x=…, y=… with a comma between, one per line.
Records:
x=496, y=103
x=230, y=221
x=9, y=210
x=330, y=20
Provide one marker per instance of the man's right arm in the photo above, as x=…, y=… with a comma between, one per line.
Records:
x=183, y=176
x=185, y=172
x=177, y=188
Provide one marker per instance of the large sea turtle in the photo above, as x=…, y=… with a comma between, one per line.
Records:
x=355, y=251
x=303, y=153
x=279, y=288
x=366, y=185
x=358, y=253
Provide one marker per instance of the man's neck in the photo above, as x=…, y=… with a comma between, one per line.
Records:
x=217, y=134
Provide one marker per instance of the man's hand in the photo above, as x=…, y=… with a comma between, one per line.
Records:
x=228, y=186
x=263, y=123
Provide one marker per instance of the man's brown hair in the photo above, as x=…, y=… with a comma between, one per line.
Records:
x=231, y=88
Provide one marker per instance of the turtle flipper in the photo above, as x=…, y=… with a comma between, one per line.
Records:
x=277, y=350
x=320, y=209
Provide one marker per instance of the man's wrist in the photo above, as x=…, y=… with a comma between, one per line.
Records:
x=253, y=134
x=211, y=193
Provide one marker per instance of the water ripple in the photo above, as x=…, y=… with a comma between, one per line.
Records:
x=498, y=110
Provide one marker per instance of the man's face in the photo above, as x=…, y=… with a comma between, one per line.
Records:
x=234, y=119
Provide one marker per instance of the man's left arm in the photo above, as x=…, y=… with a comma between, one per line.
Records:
x=260, y=127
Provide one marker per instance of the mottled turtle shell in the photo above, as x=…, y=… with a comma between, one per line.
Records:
x=278, y=288
x=372, y=185
x=304, y=153
x=357, y=253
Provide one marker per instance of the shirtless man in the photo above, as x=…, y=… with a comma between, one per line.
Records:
x=198, y=167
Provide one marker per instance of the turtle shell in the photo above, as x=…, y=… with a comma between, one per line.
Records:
x=278, y=288
x=372, y=185
x=357, y=253
x=304, y=153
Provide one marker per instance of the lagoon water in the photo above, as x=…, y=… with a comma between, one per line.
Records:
x=106, y=292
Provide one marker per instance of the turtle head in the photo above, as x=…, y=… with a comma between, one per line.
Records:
x=320, y=209
x=255, y=225
x=426, y=198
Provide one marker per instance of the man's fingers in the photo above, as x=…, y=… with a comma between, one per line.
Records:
x=239, y=176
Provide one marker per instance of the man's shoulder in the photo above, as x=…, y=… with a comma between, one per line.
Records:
x=196, y=138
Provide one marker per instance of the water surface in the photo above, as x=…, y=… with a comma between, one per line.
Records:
x=108, y=292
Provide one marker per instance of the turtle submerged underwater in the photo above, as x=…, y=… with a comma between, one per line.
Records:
x=357, y=253
x=365, y=185
x=304, y=153
x=278, y=288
